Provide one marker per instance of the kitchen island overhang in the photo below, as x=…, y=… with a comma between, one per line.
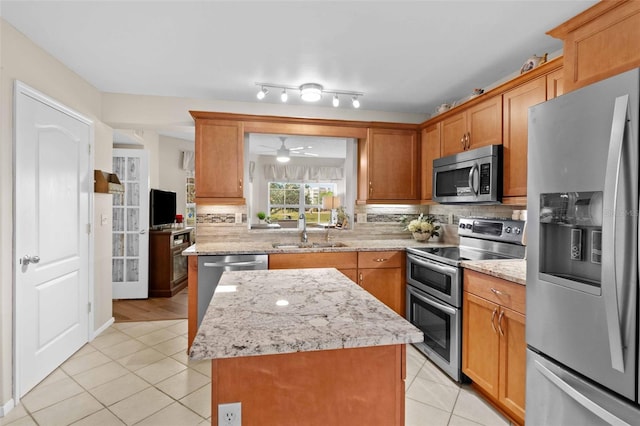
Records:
x=305, y=346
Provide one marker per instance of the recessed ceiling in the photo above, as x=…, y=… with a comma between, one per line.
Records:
x=406, y=56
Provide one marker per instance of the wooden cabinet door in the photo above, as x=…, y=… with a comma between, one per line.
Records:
x=555, y=83
x=393, y=164
x=338, y=260
x=484, y=123
x=480, y=342
x=386, y=285
x=453, y=131
x=219, y=163
x=430, y=150
x=516, y=127
x=513, y=351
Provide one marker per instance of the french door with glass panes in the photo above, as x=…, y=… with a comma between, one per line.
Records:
x=130, y=273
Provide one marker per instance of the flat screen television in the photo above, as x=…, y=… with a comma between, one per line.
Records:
x=162, y=208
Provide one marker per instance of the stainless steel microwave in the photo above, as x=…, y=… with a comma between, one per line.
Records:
x=473, y=176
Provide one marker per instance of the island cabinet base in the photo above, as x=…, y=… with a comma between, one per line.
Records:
x=359, y=386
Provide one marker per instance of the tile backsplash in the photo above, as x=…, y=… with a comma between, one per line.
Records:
x=375, y=221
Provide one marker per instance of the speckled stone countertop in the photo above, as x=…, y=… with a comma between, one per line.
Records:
x=512, y=270
x=295, y=310
x=266, y=247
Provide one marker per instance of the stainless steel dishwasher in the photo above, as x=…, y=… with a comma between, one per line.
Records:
x=210, y=269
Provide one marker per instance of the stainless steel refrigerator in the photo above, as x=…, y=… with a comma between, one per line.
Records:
x=582, y=256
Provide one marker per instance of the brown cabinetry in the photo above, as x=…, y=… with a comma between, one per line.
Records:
x=600, y=42
x=381, y=273
x=430, y=150
x=388, y=169
x=167, y=265
x=555, y=83
x=475, y=126
x=219, y=161
x=516, y=103
x=493, y=340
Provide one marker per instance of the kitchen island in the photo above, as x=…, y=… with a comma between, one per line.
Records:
x=305, y=346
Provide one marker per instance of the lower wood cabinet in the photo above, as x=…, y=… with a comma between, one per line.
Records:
x=167, y=265
x=381, y=273
x=493, y=340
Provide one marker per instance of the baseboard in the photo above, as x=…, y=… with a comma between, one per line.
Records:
x=8, y=406
x=103, y=328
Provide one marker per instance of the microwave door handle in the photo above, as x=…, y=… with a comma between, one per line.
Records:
x=609, y=226
x=447, y=270
x=472, y=174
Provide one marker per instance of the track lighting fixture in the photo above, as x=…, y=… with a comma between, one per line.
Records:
x=309, y=92
x=262, y=93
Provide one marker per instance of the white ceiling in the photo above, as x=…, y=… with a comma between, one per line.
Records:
x=406, y=56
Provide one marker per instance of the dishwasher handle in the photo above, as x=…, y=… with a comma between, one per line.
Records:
x=228, y=264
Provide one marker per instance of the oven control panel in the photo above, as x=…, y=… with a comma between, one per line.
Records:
x=493, y=229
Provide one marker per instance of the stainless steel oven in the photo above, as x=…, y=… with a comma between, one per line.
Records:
x=434, y=285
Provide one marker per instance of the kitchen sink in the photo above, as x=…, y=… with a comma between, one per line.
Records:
x=307, y=245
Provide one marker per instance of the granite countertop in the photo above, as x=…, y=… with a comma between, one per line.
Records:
x=295, y=310
x=512, y=269
x=266, y=247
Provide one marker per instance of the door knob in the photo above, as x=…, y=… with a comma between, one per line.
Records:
x=26, y=259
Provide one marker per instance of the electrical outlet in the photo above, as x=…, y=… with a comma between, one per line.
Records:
x=238, y=217
x=230, y=414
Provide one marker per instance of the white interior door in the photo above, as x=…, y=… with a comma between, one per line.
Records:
x=130, y=225
x=53, y=185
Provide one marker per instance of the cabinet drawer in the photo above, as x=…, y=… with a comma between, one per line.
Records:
x=342, y=260
x=380, y=259
x=503, y=292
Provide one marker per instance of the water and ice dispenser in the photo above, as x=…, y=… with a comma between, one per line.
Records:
x=571, y=236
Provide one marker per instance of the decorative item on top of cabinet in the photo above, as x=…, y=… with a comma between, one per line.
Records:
x=600, y=42
x=473, y=127
x=219, y=161
x=533, y=62
x=388, y=166
x=493, y=340
x=429, y=151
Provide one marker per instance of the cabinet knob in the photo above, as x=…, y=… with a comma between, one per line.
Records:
x=360, y=277
x=462, y=141
x=370, y=187
x=380, y=259
x=240, y=183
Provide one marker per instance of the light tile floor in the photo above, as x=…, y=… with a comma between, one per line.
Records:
x=138, y=373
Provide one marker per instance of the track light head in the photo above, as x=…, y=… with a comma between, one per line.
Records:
x=336, y=100
x=262, y=93
x=284, y=96
x=355, y=102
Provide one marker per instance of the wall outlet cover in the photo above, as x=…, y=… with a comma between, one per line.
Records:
x=230, y=414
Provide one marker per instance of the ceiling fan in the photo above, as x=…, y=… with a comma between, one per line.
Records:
x=283, y=154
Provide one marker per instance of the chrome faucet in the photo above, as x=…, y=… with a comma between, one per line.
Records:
x=304, y=236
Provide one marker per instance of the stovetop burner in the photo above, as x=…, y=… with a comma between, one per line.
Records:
x=455, y=255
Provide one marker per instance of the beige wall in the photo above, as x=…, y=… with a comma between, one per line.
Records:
x=21, y=59
x=172, y=177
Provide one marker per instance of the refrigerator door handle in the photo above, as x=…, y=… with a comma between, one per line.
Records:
x=609, y=226
x=579, y=397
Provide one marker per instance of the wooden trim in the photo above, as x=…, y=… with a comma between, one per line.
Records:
x=206, y=201
x=192, y=294
x=591, y=14
x=514, y=201
x=254, y=123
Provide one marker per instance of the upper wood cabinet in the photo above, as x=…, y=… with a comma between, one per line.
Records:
x=476, y=126
x=516, y=103
x=555, y=83
x=600, y=42
x=219, y=160
x=429, y=151
x=388, y=166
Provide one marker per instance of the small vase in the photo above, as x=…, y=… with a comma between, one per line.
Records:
x=421, y=236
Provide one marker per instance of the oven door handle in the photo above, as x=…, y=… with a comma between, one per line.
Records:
x=443, y=269
x=429, y=301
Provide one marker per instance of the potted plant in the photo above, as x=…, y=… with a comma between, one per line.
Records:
x=261, y=216
x=423, y=228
